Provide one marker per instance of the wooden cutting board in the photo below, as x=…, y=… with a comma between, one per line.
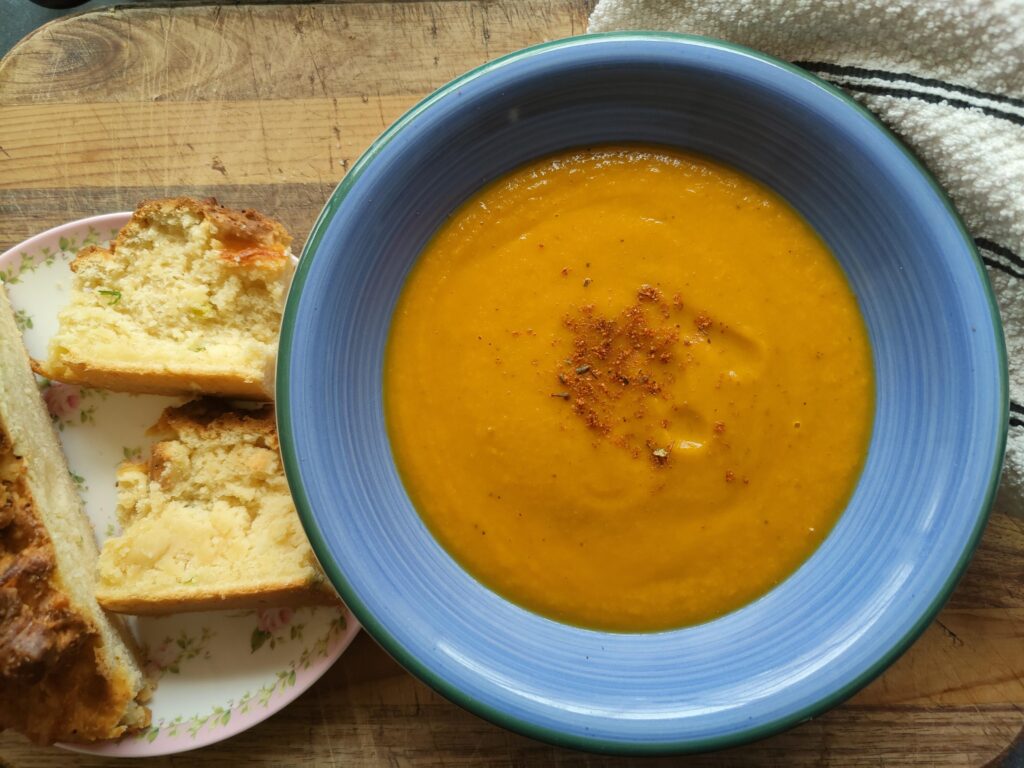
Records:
x=266, y=106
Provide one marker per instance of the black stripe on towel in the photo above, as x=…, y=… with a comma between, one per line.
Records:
x=1016, y=407
x=933, y=98
x=892, y=77
x=1002, y=267
x=1001, y=250
x=1015, y=422
x=1017, y=270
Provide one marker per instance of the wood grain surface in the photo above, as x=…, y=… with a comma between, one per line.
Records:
x=266, y=106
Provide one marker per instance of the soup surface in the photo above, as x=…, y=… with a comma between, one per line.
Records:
x=628, y=388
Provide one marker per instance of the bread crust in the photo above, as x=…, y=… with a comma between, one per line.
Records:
x=58, y=678
x=208, y=418
x=143, y=380
x=251, y=239
x=229, y=597
x=54, y=685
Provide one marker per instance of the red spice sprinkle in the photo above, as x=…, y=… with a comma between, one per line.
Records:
x=648, y=293
x=729, y=476
x=719, y=427
x=565, y=271
x=703, y=322
x=616, y=365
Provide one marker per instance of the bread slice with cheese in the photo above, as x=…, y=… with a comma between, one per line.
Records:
x=68, y=672
x=208, y=520
x=187, y=299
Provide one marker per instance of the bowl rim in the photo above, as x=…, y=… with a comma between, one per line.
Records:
x=482, y=709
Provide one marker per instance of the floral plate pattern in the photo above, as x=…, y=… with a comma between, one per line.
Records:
x=217, y=673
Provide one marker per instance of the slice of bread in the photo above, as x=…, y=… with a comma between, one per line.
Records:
x=187, y=299
x=67, y=671
x=209, y=521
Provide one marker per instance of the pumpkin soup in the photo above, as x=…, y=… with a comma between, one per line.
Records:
x=628, y=388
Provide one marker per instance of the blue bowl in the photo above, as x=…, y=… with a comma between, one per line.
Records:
x=932, y=467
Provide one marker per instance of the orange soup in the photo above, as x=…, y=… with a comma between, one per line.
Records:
x=628, y=388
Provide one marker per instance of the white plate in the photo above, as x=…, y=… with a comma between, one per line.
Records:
x=219, y=672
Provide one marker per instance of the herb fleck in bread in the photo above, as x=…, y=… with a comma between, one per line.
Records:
x=209, y=521
x=67, y=671
x=188, y=298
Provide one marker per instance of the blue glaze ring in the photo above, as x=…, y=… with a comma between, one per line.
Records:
x=933, y=463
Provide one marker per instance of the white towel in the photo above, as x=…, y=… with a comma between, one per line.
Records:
x=947, y=77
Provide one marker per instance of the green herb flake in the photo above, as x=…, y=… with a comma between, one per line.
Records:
x=22, y=319
x=115, y=296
